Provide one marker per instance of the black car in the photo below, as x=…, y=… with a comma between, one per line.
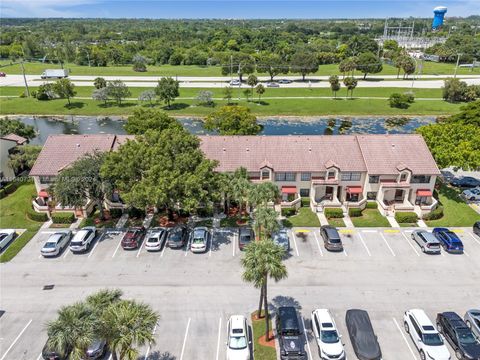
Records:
x=476, y=228
x=459, y=335
x=362, y=336
x=331, y=238
x=465, y=182
x=291, y=339
x=49, y=353
x=177, y=237
x=245, y=237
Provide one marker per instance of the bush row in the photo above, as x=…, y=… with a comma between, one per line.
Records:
x=305, y=201
x=36, y=216
x=288, y=211
x=333, y=213
x=406, y=217
x=63, y=218
x=354, y=212
x=435, y=214
x=372, y=205
x=2, y=193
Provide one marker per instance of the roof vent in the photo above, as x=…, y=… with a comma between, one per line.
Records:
x=224, y=149
x=310, y=149
x=78, y=145
x=248, y=149
x=393, y=146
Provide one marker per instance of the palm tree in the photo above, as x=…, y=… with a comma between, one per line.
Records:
x=263, y=260
x=263, y=193
x=266, y=222
x=126, y=324
x=72, y=330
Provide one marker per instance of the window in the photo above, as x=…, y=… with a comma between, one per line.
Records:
x=373, y=179
x=285, y=176
x=265, y=174
x=304, y=192
x=420, y=179
x=371, y=195
x=403, y=177
x=306, y=176
x=331, y=174
x=351, y=176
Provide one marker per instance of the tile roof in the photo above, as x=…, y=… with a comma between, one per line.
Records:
x=20, y=140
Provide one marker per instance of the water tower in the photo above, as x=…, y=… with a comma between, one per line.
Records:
x=439, y=14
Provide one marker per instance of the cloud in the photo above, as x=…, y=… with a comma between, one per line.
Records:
x=42, y=8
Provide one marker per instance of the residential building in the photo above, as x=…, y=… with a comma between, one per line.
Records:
x=8, y=145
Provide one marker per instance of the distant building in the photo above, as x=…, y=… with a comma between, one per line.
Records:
x=8, y=145
x=439, y=14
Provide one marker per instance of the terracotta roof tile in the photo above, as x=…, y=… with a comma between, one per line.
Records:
x=14, y=137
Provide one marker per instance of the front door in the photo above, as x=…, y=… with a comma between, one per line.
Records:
x=329, y=192
x=399, y=195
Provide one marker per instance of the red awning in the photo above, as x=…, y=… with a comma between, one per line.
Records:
x=424, y=192
x=289, y=189
x=354, y=189
x=43, y=193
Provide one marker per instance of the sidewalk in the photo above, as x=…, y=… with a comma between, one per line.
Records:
x=392, y=221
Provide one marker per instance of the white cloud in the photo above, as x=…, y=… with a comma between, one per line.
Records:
x=42, y=8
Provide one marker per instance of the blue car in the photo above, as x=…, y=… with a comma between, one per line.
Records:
x=449, y=240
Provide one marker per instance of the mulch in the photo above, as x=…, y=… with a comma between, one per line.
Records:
x=262, y=341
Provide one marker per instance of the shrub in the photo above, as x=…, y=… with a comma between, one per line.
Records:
x=435, y=214
x=88, y=221
x=400, y=101
x=10, y=188
x=135, y=212
x=36, y=216
x=115, y=213
x=333, y=213
x=2, y=193
x=372, y=205
x=406, y=217
x=288, y=211
x=354, y=212
x=63, y=218
x=305, y=202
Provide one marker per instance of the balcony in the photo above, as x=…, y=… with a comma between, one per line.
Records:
x=393, y=184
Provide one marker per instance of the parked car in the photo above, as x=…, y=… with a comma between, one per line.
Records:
x=272, y=84
x=200, y=237
x=291, y=339
x=83, y=239
x=96, y=350
x=245, y=236
x=328, y=340
x=49, y=353
x=56, y=243
x=427, y=241
x=177, y=237
x=331, y=238
x=133, y=238
x=476, y=228
x=235, y=82
x=281, y=239
x=472, y=319
x=449, y=240
x=6, y=236
x=460, y=337
x=424, y=335
x=362, y=336
x=472, y=194
x=238, y=343
x=284, y=81
x=2, y=74
x=465, y=182
x=156, y=239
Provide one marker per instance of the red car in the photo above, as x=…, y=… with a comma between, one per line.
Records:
x=133, y=238
x=2, y=74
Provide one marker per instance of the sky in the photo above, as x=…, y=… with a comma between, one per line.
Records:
x=234, y=9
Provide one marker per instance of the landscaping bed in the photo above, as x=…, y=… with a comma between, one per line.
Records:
x=370, y=218
x=337, y=222
x=262, y=350
x=303, y=218
x=110, y=221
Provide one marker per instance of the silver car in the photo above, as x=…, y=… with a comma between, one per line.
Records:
x=281, y=239
x=427, y=241
x=56, y=243
x=472, y=319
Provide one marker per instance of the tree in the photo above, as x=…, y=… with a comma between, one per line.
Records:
x=238, y=63
x=45, y=92
x=83, y=180
x=334, y=84
x=263, y=260
x=305, y=62
x=347, y=66
x=369, y=63
x=358, y=44
x=118, y=90
x=246, y=93
x=265, y=222
x=167, y=90
x=252, y=81
x=260, y=90
x=271, y=64
x=24, y=157
x=400, y=101
x=14, y=126
x=139, y=63
x=100, y=95
x=350, y=83
x=233, y=120
x=239, y=187
x=205, y=97
x=263, y=193
x=99, y=83
x=64, y=88
x=454, y=90
x=227, y=94
x=147, y=95
x=408, y=66
x=143, y=120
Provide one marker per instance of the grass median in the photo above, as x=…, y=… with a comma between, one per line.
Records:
x=370, y=218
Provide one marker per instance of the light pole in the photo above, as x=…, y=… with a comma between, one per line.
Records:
x=456, y=66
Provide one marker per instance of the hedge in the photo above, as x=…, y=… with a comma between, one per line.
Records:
x=435, y=214
x=10, y=188
x=354, y=212
x=288, y=211
x=115, y=213
x=406, y=217
x=2, y=193
x=305, y=201
x=36, y=216
x=371, y=205
x=63, y=218
x=333, y=213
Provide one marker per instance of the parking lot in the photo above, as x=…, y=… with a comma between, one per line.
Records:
x=380, y=270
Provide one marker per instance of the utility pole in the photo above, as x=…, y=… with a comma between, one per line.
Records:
x=239, y=82
x=88, y=58
x=456, y=66
x=231, y=67
x=25, y=80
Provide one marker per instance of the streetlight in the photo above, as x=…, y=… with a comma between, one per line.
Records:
x=456, y=66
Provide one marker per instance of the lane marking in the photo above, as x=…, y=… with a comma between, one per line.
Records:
x=149, y=345
x=404, y=338
x=474, y=238
x=116, y=249
x=391, y=231
x=185, y=339
x=295, y=243
x=386, y=242
x=346, y=231
x=318, y=243
x=94, y=247
x=16, y=339
x=457, y=230
x=369, y=231
x=306, y=338
x=364, y=245
x=410, y=243
x=219, y=335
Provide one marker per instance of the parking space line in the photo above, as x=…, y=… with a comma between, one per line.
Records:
x=404, y=338
x=219, y=335
x=318, y=243
x=345, y=251
x=386, y=242
x=16, y=339
x=369, y=231
x=67, y=250
x=234, y=244
x=364, y=245
x=141, y=246
x=149, y=345
x=410, y=243
x=164, y=247
x=116, y=249
x=211, y=244
x=466, y=253
x=306, y=338
x=93, y=249
x=295, y=243
x=473, y=237
x=185, y=339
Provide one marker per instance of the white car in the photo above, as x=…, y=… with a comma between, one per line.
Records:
x=235, y=82
x=199, y=239
x=284, y=81
x=156, y=239
x=425, y=336
x=6, y=236
x=472, y=194
x=325, y=331
x=83, y=239
x=56, y=243
x=238, y=343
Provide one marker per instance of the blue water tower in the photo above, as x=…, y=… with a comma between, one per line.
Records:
x=439, y=14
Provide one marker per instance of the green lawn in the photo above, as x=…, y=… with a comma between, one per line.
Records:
x=304, y=218
x=260, y=351
x=370, y=218
x=12, y=215
x=231, y=221
x=455, y=211
x=337, y=222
